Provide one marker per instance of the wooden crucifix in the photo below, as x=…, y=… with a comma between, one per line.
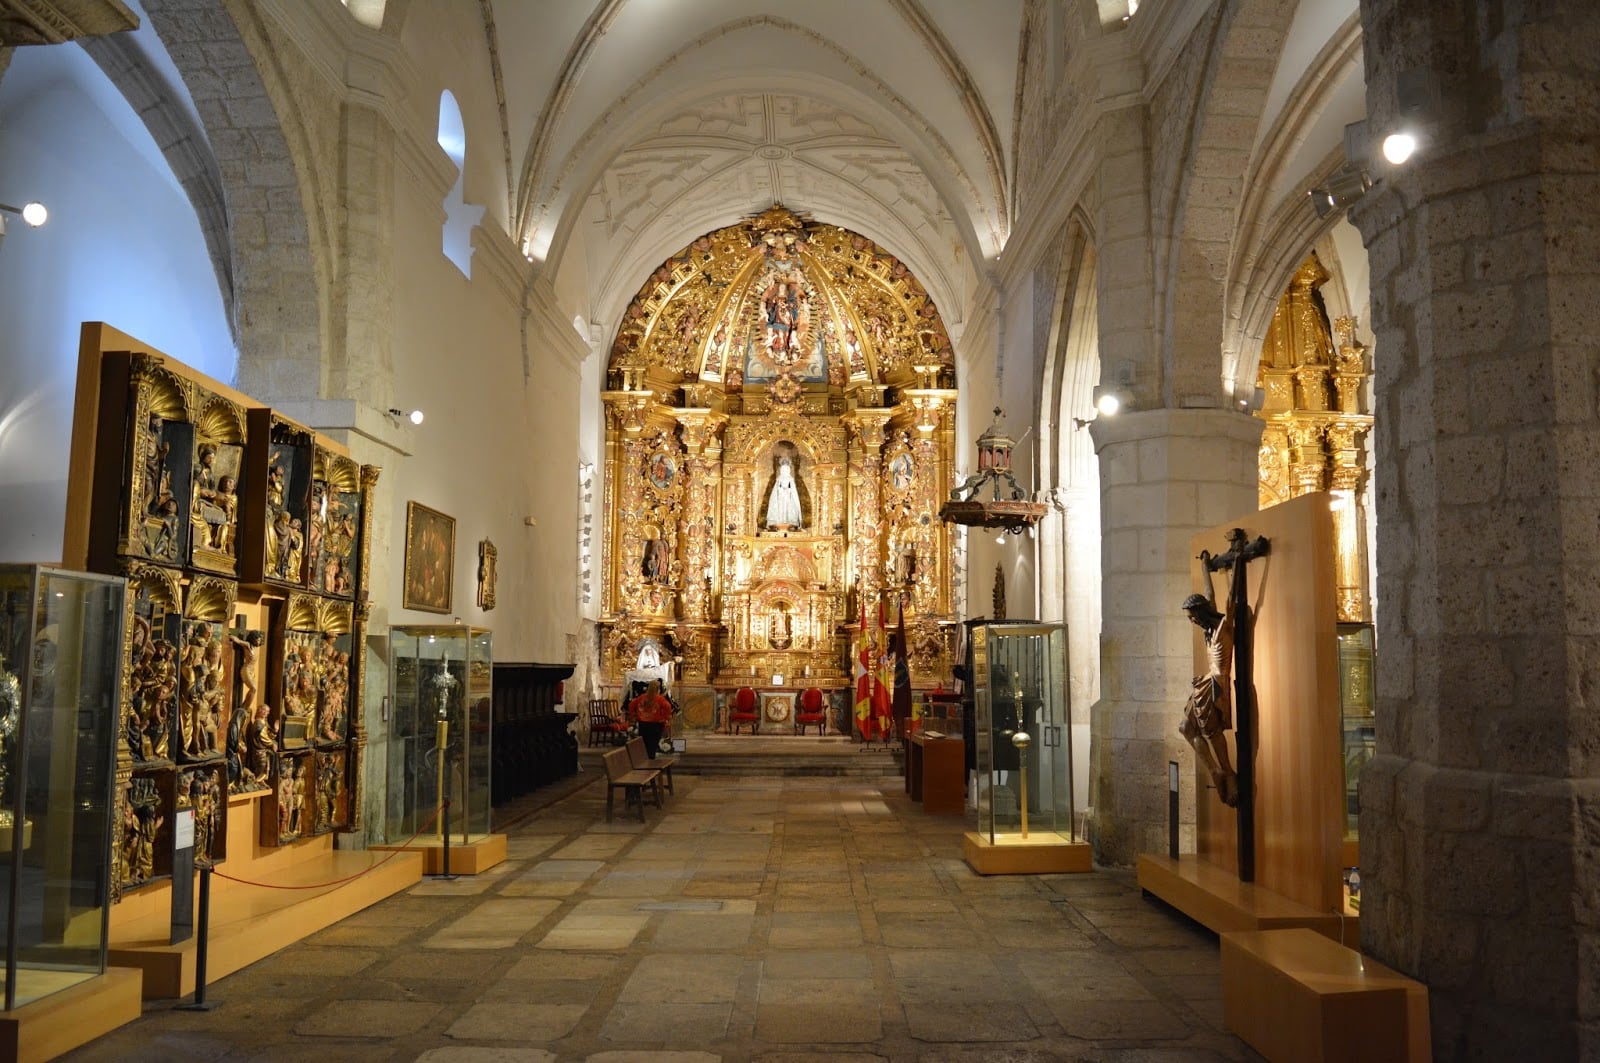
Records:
x=1230, y=642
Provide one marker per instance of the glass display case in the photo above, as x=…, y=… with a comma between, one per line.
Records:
x=60, y=679
x=441, y=697
x=1024, y=754
x=1355, y=712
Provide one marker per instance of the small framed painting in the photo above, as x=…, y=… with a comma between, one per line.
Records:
x=430, y=559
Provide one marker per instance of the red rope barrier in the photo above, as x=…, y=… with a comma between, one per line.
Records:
x=337, y=881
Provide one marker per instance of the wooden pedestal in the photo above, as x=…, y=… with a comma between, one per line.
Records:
x=1217, y=900
x=936, y=774
x=60, y=1022
x=474, y=856
x=1297, y=997
x=249, y=922
x=1040, y=853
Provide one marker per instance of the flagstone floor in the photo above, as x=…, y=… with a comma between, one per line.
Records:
x=753, y=919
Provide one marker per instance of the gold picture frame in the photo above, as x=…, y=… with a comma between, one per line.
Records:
x=487, y=556
x=430, y=559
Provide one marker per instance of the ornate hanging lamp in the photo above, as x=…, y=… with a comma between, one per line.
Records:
x=1014, y=512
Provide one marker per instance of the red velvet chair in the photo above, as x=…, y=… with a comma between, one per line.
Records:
x=813, y=709
x=746, y=710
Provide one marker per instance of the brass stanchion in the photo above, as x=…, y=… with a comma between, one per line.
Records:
x=442, y=737
x=1021, y=740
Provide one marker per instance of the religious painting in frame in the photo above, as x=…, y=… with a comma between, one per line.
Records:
x=430, y=559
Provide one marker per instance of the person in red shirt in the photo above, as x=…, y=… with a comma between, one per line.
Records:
x=653, y=712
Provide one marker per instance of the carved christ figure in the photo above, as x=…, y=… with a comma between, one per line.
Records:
x=1208, y=714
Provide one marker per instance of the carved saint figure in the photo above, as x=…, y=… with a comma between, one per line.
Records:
x=261, y=739
x=783, y=505
x=1208, y=714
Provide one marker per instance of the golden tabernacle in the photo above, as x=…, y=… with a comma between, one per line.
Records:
x=779, y=436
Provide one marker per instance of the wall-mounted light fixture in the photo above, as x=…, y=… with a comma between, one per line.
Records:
x=1416, y=109
x=415, y=416
x=33, y=213
x=1346, y=185
x=1252, y=401
x=1109, y=400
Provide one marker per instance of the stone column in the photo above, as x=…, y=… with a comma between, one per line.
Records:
x=1164, y=475
x=1480, y=815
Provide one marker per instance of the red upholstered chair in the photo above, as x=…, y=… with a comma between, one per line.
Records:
x=813, y=709
x=746, y=710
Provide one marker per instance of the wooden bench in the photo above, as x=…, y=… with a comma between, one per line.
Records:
x=622, y=775
x=637, y=758
x=1296, y=995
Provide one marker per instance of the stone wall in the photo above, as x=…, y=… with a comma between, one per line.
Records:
x=1478, y=816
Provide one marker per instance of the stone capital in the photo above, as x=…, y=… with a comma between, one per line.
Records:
x=1168, y=425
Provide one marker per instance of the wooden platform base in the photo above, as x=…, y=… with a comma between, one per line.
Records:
x=1040, y=853
x=1218, y=900
x=250, y=922
x=60, y=1022
x=474, y=856
x=1297, y=997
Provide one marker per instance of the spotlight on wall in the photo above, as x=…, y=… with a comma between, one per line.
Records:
x=1111, y=399
x=1398, y=147
x=33, y=213
x=1253, y=401
x=415, y=416
x=1347, y=185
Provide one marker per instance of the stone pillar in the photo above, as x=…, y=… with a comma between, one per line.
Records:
x=1164, y=475
x=1480, y=815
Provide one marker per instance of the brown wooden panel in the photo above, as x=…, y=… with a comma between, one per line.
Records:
x=1299, y=768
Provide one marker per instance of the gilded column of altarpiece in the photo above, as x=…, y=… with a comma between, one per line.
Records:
x=780, y=428
x=243, y=537
x=1315, y=433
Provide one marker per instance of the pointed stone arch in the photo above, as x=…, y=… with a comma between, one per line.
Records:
x=1234, y=87
x=279, y=256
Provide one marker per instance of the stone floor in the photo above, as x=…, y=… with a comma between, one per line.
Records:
x=754, y=919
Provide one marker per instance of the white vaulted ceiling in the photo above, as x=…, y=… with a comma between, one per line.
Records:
x=636, y=125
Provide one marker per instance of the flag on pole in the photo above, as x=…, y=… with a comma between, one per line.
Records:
x=883, y=680
x=904, y=707
x=864, y=679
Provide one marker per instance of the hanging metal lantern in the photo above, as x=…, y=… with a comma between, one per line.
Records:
x=1014, y=511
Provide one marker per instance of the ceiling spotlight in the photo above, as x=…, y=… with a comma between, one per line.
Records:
x=1398, y=147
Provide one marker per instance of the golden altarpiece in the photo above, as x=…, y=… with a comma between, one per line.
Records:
x=244, y=539
x=779, y=436
x=1314, y=375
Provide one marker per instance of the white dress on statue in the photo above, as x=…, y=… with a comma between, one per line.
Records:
x=783, y=507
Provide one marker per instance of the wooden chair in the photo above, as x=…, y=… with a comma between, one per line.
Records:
x=637, y=757
x=813, y=709
x=746, y=710
x=622, y=775
x=606, y=723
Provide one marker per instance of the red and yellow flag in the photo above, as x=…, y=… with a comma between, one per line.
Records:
x=864, y=678
x=883, y=681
